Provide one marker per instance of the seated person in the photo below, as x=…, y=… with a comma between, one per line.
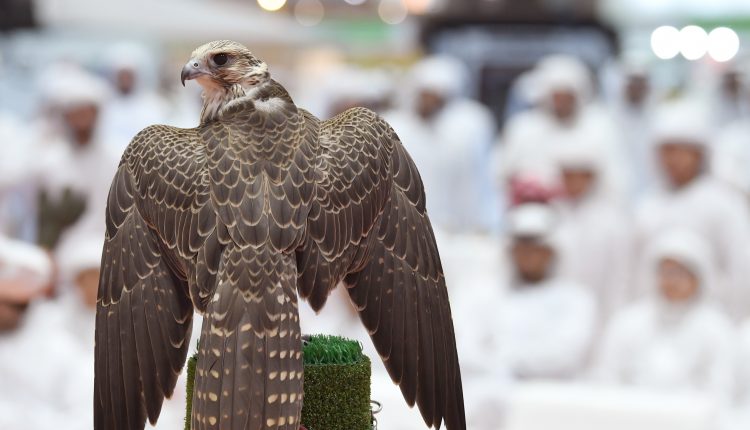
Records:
x=29, y=350
x=690, y=198
x=675, y=339
x=544, y=324
x=536, y=324
x=595, y=229
x=25, y=274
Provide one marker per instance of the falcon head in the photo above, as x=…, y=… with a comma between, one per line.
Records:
x=223, y=64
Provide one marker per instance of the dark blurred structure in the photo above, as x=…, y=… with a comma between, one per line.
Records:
x=16, y=14
x=521, y=9
x=500, y=39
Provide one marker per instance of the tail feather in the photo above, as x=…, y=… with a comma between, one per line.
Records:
x=249, y=373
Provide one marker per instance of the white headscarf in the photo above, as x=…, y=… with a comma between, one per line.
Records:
x=580, y=151
x=15, y=254
x=684, y=120
x=445, y=75
x=586, y=148
x=78, y=253
x=533, y=220
x=127, y=56
x=66, y=84
x=78, y=88
x=562, y=72
x=686, y=248
x=690, y=251
x=134, y=57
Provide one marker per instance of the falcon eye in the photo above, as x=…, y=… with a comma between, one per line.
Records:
x=220, y=59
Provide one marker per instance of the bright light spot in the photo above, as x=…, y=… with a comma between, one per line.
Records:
x=665, y=42
x=418, y=6
x=392, y=11
x=271, y=5
x=309, y=12
x=355, y=2
x=693, y=42
x=723, y=44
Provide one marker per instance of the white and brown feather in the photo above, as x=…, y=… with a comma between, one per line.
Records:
x=237, y=217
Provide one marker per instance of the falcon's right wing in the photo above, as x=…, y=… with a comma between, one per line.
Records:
x=144, y=312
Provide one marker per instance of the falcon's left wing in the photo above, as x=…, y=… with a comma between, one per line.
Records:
x=368, y=227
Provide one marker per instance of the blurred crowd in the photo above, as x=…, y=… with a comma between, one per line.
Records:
x=55, y=173
x=597, y=236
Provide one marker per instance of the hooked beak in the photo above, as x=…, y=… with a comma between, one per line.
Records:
x=193, y=69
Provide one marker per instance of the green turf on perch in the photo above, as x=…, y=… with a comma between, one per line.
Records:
x=337, y=385
x=192, y=361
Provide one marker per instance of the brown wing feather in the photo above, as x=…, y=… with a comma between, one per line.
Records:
x=157, y=220
x=352, y=184
x=249, y=374
x=143, y=318
x=403, y=301
x=370, y=229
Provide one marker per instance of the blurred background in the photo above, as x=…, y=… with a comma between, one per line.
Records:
x=586, y=164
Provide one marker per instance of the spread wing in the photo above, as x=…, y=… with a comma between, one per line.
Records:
x=144, y=313
x=369, y=228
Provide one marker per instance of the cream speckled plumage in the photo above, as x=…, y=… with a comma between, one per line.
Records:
x=238, y=216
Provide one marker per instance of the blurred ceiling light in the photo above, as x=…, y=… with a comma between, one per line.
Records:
x=723, y=44
x=693, y=42
x=392, y=11
x=271, y=5
x=355, y=2
x=309, y=12
x=418, y=6
x=665, y=42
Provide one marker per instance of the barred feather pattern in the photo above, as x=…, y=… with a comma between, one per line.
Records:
x=236, y=219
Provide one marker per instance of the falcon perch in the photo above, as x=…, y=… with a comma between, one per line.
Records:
x=235, y=218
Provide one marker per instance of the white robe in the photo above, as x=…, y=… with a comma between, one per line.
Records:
x=684, y=348
x=545, y=330
x=531, y=331
x=634, y=127
x=16, y=201
x=743, y=355
x=34, y=360
x=596, y=249
x=727, y=110
x=730, y=156
x=740, y=416
x=507, y=335
x=47, y=366
x=124, y=116
x=717, y=214
x=471, y=264
x=88, y=172
x=452, y=153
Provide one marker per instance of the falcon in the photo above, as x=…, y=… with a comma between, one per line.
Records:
x=236, y=218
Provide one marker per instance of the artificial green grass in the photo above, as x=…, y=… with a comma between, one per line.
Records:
x=337, y=385
x=192, y=362
x=322, y=349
